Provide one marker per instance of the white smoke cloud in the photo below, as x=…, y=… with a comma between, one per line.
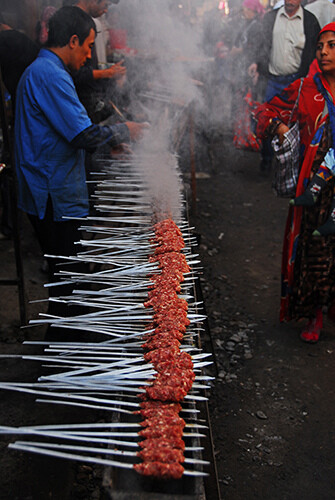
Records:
x=170, y=51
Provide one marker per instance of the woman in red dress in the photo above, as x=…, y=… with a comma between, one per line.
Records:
x=308, y=262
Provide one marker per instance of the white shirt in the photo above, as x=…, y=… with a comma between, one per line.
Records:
x=100, y=41
x=323, y=10
x=288, y=42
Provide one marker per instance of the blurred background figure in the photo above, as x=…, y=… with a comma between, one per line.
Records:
x=323, y=10
x=212, y=27
x=96, y=86
x=17, y=51
x=246, y=45
x=101, y=41
x=42, y=26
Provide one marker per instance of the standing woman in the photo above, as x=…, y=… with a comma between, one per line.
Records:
x=308, y=262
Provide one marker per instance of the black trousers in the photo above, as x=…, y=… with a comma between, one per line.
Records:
x=58, y=238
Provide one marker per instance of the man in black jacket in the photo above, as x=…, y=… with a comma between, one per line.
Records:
x=288, y=48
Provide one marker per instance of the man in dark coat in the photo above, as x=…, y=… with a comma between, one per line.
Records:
x=288, y=48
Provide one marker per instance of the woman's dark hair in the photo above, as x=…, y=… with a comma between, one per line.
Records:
x=324, y=31
x=66, y=22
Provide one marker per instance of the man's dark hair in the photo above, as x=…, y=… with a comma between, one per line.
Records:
x=65, y=23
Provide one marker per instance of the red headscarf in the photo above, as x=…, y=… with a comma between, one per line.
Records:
x=254, y=5
x=328, y=27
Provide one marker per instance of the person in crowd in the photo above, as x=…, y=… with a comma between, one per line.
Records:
x=211, y=28
x=308, y=264
x=43, y=25
x=246, y=45
x=289, y=30
x=323, y=10
x=101, y=42
x=17, y=51
x=95, y=86
x=52, y=130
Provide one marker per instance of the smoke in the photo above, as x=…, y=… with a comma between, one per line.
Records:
x=160, y=175
x=171, y=57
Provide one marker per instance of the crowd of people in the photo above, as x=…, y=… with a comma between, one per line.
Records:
x=65, y=93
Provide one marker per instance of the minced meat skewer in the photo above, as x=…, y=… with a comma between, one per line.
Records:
x=163, y=431
x=165, y=455
x=160, y=470
x=163, y=443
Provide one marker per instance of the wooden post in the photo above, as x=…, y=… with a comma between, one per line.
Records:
x=192, y=160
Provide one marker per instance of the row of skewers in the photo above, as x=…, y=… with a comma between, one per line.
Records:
x=140, y=300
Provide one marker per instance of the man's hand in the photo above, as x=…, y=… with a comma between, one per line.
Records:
x=253, y=73
x=121, y=150
x=116, y=71
x=136, y=130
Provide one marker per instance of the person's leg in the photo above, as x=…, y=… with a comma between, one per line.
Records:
x=58, y=238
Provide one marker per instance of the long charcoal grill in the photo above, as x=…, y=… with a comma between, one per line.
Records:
x=106, y=374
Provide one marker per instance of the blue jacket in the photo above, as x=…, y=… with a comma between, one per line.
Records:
x=48, y=116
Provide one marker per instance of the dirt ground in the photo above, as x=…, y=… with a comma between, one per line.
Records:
x=272, y=403
x=273, y=400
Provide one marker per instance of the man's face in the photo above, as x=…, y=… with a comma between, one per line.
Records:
x=81, y=53
x=291, y=6
x=98, y=7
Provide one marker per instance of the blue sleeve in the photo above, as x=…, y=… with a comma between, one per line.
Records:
x=97, y=135
x=58, y=100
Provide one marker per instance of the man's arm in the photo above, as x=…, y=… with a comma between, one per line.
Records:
x=98, y=135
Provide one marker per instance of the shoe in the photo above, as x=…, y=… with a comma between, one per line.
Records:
x=311, y=337
x=311, y=333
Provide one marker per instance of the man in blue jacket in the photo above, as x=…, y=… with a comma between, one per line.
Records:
x=52, y=129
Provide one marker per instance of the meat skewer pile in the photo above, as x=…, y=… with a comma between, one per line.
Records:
x=174, y=367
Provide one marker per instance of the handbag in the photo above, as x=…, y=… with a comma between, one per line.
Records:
x=244, y=135
x=287, y=158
